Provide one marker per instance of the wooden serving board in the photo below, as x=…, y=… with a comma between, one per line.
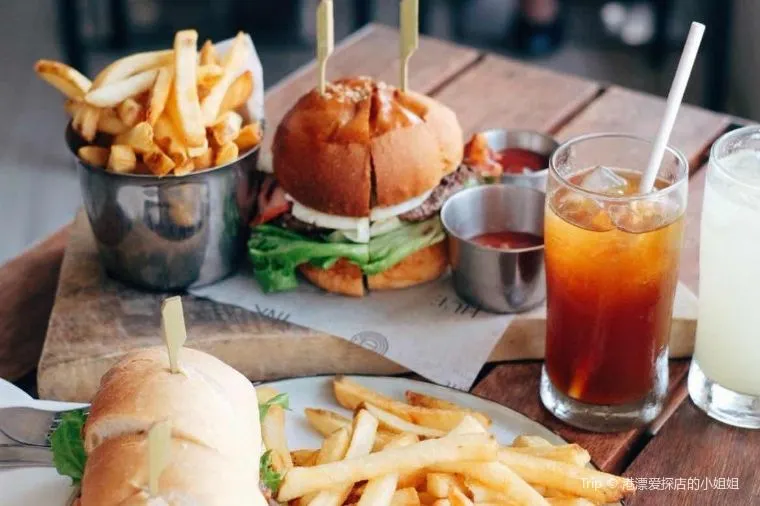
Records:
x=96, y=319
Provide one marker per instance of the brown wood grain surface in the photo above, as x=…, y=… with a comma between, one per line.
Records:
x=27, y=291
x=516, y=386
x=700, y=461
x=498, y=92
x=622, y=110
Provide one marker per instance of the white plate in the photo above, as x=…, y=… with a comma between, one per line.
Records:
x=42, y=487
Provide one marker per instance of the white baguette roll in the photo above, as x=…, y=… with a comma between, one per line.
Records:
x=214, y=416
x=117, y=474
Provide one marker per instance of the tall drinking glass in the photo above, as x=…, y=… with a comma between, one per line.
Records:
x=611, y=271
x=724, y=379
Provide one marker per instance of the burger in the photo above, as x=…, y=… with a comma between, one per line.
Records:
x=360, y=173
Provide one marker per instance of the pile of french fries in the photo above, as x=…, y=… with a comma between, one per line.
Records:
x=162, y=112
x=425, y=451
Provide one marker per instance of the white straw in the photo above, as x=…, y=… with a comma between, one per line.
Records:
x=675, y=97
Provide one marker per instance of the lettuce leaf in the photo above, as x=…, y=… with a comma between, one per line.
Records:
x=67, y=444
x=69, y=457
x=281, y=400
x=269, y=477
x=276, y=253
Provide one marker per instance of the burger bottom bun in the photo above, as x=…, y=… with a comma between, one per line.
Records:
x=343, y=277
x=346, y=278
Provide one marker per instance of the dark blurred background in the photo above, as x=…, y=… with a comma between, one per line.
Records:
x=633, y=43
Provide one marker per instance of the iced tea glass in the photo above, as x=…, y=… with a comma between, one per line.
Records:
x=612, y=258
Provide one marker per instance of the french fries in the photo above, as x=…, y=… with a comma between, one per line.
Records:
x=190, y=118
x=498, y=477
x=159, y=94
x=94, y=155
x=208, y=76
x=350, y=395
x=122, y=159
x=439, y=484
x=233, y=62
x=226, y=153
x=64, y=78
x=379, y=491
x=428, y=401
x=86, y=120
x=248, y=137
x=113, y=94
x=528, y=441
x=179, y=92
x=571, y=453
x=129, y=112
x=395, y=424
x=208, y=54
x=303, y=480
x=567, y=478
x=131, y=65
x=158, y=163
x=304, y=458
x=140, y=137
x=362, y=439
x=462, y=466
x=458, y=498
x=226, y=128
x=204, y=161
x=238, y=92
x=405, y=497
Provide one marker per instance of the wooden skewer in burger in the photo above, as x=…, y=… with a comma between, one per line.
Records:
x=360, y=174
x=165, y=429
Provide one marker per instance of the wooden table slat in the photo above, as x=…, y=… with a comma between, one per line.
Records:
x=690, y=449
x=623, y=110
x=27, y=290
x=515, y=95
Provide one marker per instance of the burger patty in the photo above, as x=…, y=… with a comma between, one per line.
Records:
x=290, y=222
x=449, y=185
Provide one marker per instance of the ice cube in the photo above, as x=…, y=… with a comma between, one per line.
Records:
x=583, y=212
x=642, y=216
x=603, y=180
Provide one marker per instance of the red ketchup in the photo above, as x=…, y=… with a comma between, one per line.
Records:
x=508, y=240
x=519, y=161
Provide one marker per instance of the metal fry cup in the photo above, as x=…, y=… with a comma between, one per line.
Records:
x=173, y=232
x=496, y=280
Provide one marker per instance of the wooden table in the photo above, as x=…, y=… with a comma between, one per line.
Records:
x=681, y=450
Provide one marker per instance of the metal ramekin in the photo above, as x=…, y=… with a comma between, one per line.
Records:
x=174, y=232
x=500, y=281
x=542, y=144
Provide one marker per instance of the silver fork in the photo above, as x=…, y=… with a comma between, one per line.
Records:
x=17, y=455
x=30, y=426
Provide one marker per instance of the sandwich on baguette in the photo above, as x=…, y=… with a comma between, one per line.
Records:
x=359, y=176
x=215, y=447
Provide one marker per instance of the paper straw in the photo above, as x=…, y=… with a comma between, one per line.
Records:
x=675, y=97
